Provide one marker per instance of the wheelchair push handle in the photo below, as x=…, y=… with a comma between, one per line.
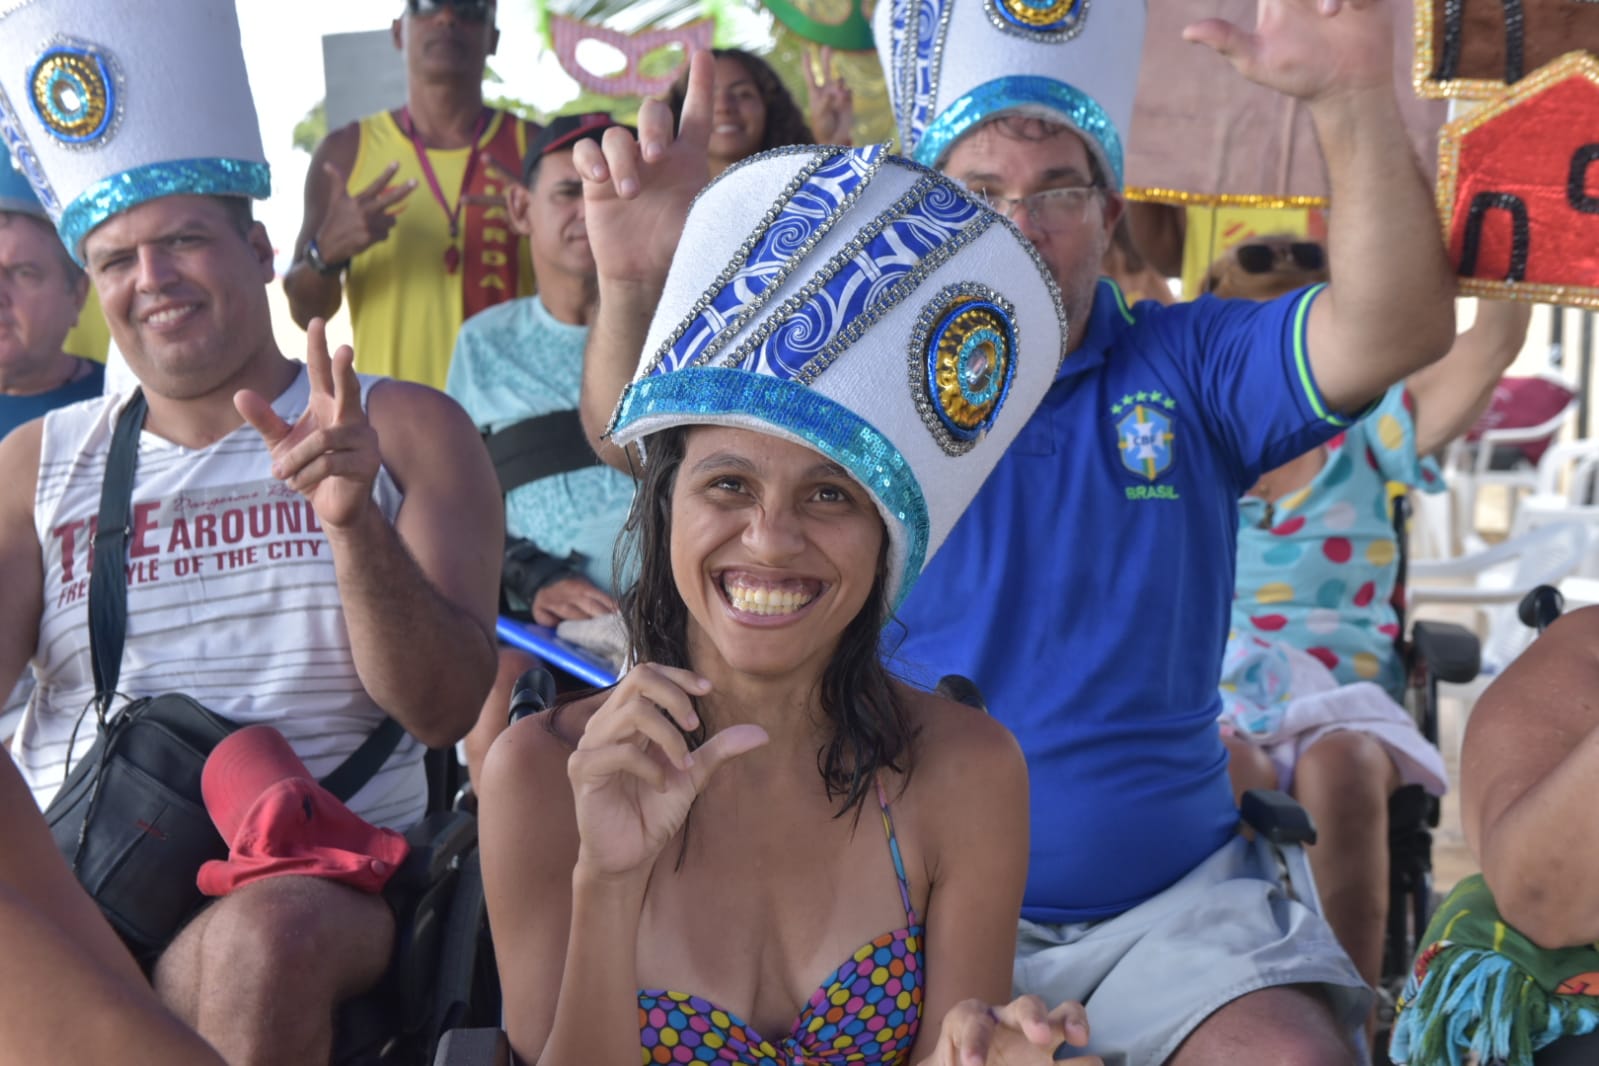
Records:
x=1540, y=607
x=533, y=692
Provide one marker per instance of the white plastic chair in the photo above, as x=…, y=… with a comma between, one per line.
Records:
x=1567, y=490
x=1468, y=465
x=1495, y=579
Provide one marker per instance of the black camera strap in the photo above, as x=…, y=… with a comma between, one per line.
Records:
x=108, y=602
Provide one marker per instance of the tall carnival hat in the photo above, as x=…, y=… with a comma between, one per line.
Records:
x=104, y=104
x=16, y=194
x=952, y=65
x=875, y=313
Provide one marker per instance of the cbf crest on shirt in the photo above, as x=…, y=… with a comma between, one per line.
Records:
x=875, y=312
x=1146, y=438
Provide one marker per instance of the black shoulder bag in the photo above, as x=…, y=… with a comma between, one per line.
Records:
x=130, y=817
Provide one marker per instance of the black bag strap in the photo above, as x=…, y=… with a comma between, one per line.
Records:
x=108, y=601
x=108, y=578
x=539, y=447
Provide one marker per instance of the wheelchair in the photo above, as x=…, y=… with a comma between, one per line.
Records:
x=442, y=974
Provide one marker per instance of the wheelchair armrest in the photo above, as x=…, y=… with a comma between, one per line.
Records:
x=1277, y=817
x=1452, y=653
x=473, y=1047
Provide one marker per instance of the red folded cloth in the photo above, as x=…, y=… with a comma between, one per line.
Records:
x=277, y=820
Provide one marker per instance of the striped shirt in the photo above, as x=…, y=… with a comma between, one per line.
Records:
x=232, y=600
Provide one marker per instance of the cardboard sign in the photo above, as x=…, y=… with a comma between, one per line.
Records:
x=1518, y=188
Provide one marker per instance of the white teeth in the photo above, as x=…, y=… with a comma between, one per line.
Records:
x=766, y=601
x=162, y=318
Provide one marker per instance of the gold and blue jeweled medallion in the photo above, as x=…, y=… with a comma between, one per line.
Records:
x=75, y=90
x=963, y=359
x=1045, y=20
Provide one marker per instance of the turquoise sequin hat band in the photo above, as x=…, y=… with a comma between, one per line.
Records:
x=729, y=397
x=196, y=177
x=1024, y=93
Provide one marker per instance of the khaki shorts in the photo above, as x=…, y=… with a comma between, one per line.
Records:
x=1149, y=976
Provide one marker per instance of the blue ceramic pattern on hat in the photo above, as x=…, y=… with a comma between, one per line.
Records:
x=15, y=142
x=809, y=213
x=1002, y=95
x=864, y=281
x=926, y=21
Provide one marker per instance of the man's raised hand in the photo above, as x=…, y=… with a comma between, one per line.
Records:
x=330, y=454
x=353, y=224
x=1308, y=49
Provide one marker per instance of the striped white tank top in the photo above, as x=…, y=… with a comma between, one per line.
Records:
x=232, y=600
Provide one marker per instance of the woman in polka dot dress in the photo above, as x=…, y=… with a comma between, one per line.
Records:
x=1311, y=674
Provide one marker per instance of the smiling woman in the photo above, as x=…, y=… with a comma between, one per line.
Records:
x=811, y=424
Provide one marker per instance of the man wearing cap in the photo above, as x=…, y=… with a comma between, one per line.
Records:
x=523, y=361
x=405, y=207
x=324, y=568
x=1088, y=587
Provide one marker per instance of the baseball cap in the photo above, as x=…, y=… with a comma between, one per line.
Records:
x=563, y=132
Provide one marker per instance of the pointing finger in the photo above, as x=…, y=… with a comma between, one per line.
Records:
x=346, y=386
x=257, y=410
x=383, y=178
x=698, y=103
x=722, y=748
x=318, y=364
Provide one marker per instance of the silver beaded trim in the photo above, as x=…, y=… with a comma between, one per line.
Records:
x=910, y=65
x=24, y=158
x=922, y=387
x=828, y=270
x=1005, y=25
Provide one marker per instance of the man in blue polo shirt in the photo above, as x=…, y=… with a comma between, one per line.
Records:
x=1087, y=590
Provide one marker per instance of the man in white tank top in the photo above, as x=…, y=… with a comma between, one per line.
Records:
x=308, y=548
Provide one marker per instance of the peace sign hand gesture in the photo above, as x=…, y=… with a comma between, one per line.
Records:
x=633, y=777
x=330, y=455
x=832, y=104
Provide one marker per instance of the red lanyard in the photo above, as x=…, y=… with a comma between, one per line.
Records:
x=452, y=254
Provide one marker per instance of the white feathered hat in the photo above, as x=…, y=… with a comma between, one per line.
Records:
x=105, y=104
x=875, y=313
x=952, y=65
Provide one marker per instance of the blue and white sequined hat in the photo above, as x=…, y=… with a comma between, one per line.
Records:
x=16, y=194
x=952, y=65
x=875, y=313
x=105, y=104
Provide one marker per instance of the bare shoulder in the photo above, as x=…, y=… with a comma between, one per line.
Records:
x=19, y=458
x=418, y=425
x=339, y=147
x=960, y=747
x=530, y=756
x=1551, y=689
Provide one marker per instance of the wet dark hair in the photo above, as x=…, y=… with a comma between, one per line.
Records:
x=785, y=122
x=870, y=729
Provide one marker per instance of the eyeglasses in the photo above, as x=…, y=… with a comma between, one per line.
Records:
x=1050, y=210
x=1263, y=258
x=466, y=10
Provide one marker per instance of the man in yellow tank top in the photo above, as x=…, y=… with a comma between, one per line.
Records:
x=404, y=206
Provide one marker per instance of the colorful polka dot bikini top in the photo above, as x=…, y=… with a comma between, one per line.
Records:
x=866, y=1012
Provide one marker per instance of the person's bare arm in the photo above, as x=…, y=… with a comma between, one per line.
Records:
x=344, y=225
x=21, y=564
x=419, y=597
x=1389, y=310
x=1527, y=770
x=636, y=196
x=1450, y=394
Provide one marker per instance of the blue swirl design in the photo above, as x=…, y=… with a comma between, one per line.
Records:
x=808, y=213
x=24, y=159
x=916, y=51
x=864, y=281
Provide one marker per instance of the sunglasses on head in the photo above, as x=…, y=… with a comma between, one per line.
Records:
x=1264, y=258
x=470, y=10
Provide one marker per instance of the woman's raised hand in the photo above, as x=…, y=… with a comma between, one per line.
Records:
x=636, y=193
x=633, y=776
x=1021, y=1033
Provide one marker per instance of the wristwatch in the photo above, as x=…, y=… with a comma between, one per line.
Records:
x=313, y=256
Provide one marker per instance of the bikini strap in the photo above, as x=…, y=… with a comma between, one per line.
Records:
x=911, y=920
